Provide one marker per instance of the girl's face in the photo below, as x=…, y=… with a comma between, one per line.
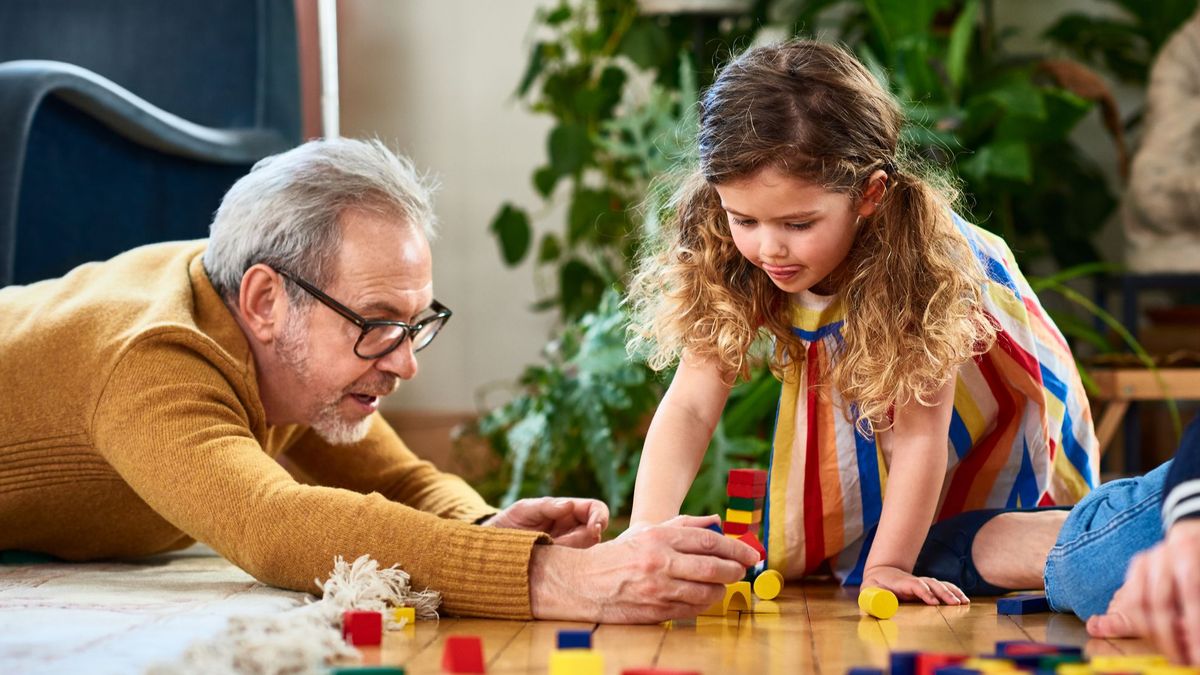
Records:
x=796, y=231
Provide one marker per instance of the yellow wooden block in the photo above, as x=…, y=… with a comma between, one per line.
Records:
x=743, y=517
x=1127, y=664
x=715, y=609
x=1073, y=669
x=576, y=662
x=737, y=596
x=768, y=585
x=1171, y=670
x=405, y=615
x=990, y=665
x=878, y=602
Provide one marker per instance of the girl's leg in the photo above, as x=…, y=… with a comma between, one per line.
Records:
x=1078, y=556
x=1010, y=550
x=992, y=551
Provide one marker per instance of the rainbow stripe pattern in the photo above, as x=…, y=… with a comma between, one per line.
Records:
x=1021, y=433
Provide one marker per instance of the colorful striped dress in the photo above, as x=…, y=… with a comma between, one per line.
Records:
x=1021, y=433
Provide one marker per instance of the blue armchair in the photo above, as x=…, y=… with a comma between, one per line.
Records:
x=124, y=122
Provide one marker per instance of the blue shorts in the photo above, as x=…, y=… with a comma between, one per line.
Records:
x=1100, y=537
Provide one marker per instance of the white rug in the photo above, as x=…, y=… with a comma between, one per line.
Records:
x=102, y=618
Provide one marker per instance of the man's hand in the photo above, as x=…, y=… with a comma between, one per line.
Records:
x=1160, y=599
x=571, y=522
x=668, y=571
x=908, y=587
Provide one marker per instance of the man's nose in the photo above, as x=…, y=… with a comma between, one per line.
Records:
x=401, y=362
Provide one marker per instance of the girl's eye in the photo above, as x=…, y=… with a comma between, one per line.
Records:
x=740, y=222
x=799, y=226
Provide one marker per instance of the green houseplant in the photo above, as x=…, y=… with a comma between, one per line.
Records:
x=994, y=119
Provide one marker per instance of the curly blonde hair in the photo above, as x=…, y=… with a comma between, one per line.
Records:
x=911, y=285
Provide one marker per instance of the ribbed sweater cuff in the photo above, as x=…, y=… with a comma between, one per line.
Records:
x=1182, y=502
x=491, y=567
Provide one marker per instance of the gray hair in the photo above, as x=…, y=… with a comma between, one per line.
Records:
x=285, y=211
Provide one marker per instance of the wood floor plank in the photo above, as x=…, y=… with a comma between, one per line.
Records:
x=771, y=642
x=496, y=635
x=1068, y=629
x=706, y=644
x=843, y=637
x=777, y=637
x=978, y=627
x=629, y=646
x=922, y=628
x=816, y=628
x=529, y=650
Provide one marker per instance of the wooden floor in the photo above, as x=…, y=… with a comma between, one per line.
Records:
x=812, y=628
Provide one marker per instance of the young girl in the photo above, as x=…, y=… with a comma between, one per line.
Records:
x=921, y=376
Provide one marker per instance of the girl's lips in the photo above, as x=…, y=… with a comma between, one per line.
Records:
x=782, y=271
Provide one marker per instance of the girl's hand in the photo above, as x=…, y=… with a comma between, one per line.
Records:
x=571, y=522
x=908, y=587
x=677, y=521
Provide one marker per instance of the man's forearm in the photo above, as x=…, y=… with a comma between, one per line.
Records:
x=549, y=590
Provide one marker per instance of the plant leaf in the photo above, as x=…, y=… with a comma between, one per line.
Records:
x=960, y=42
x=569, y=148
x=511, y=227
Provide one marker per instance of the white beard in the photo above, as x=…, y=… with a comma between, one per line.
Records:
x=327, y=420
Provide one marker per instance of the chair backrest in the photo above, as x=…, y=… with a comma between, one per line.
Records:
x=219, y=63
x=86, y=176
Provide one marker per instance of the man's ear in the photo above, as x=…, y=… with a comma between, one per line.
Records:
x=872, y=197
x=262, y=302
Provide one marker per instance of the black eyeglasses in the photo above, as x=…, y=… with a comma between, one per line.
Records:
x=380, y=338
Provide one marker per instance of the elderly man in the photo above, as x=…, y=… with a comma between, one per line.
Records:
x=146, y=399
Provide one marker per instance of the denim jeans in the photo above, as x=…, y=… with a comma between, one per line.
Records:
x=1115, y=522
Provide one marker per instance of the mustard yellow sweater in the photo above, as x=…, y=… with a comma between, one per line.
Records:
x=130, y=424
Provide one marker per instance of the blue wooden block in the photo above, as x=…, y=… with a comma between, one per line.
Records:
x=1004, y=647
x=904, y=663
x=956, y=670
x=864, y=671
x=715, y=527
x=1023, y=604
x=574, y=639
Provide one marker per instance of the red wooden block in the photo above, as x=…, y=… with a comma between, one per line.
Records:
x=745, y=490
x=463, y=654
x=738, y=528
x=755, y=544
x=747, y=477
x=927, y=663
x=1030, y=649
x=362, y=628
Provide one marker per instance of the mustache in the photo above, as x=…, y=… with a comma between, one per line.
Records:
x=376, y=386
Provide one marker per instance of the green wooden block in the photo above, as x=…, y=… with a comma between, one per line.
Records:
x=745, y=503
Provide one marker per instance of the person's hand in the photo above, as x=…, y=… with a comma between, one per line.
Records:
x=669, y=571
x=908, y=587
x=571, y=522
x=1160, y=599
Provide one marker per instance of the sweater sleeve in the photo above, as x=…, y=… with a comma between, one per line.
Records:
x=170, y=421
x=1181, y=492
x=383, y=463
